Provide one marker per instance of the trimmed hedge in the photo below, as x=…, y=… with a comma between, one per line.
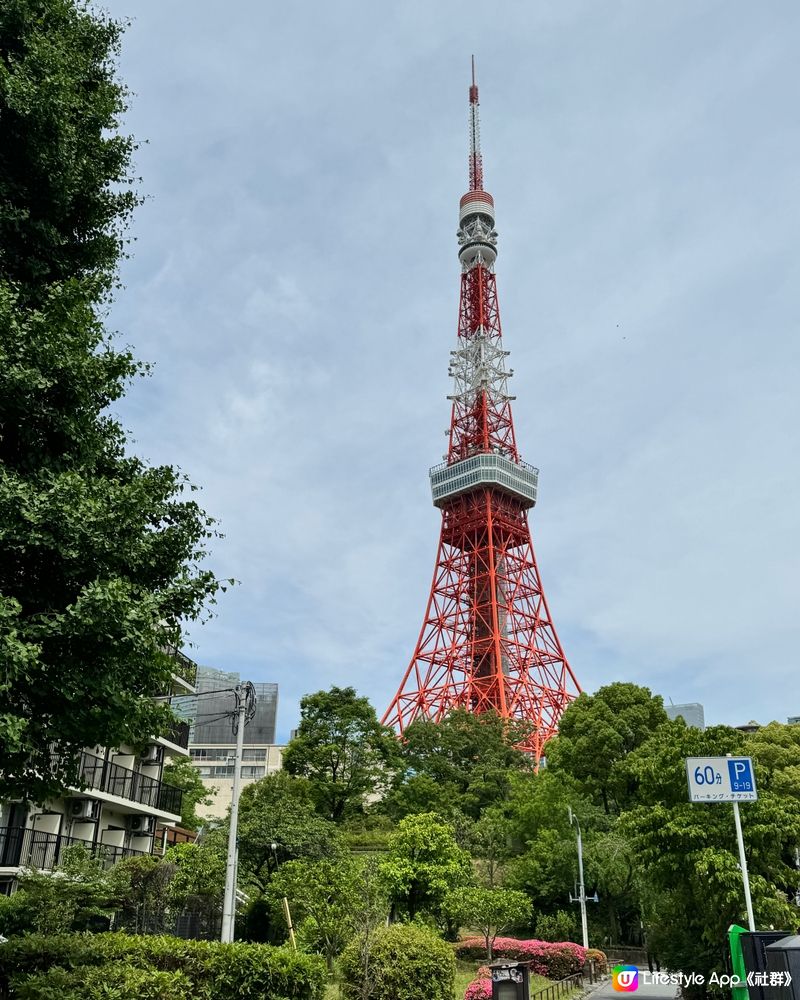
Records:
x=553, y=959
x=406, y=962
x=222, y=971
x=114, y=982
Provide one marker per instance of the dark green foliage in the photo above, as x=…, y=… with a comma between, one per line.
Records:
x=462, y=764
x=687, y=853
x=558, y=926
x=222, y=971
x=597, y=731
x=342, y=749
x=64, y=169
x=115, y=982
x=279, y=810
x=99, y=553
x=402, y=962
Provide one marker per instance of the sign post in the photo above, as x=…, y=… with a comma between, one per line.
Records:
x=726, y=779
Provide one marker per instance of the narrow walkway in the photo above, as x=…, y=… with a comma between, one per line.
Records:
x=646, y=991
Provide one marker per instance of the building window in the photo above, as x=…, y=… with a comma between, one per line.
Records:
x=253, y=772
x=251, y=753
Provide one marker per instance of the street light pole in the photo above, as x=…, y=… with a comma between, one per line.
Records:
x=581, y=887
x=229, y=904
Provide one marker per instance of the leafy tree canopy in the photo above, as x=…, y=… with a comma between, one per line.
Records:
x=491, y=910
x=323, y=896
x=342, y=749
x=279, y=810
x=424, y=862
x=687, y=853
x=99, y=553
x=598, y=731
x=463, y=763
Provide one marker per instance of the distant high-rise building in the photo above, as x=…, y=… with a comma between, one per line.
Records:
x=212, y=718
x=212, y=743
x=692, y=714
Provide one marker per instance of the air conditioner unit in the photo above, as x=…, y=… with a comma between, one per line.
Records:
x=141, y=825
x=152, y=754
x=84, y=808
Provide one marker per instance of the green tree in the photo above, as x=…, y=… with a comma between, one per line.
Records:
x=323, y=897
x=196, y=879
x=99, y=553
x=343, y=750
x=491, y=910
x=598, y=731
x=140, y=886
x=277, y=823
x=423, y=864
x=462, y=764
x=490, y=845
x=687, y=855
x=182, y=774
x=558, y=926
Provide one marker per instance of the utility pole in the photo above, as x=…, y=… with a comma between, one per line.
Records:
x=229, y=904
x=581, y=887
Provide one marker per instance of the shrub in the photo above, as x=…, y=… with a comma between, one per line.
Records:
x=479, y=989
x=114, y=982
x=405, y=962
x=555, y=960
x=560, y=926
x=225, y=971
x=600, y=959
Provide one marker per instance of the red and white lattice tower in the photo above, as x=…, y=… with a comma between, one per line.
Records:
x=487, y=641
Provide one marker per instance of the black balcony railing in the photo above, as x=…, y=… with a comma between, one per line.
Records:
x=183, y=666
x=36, y=849
x=105, y=776
x=178, y=733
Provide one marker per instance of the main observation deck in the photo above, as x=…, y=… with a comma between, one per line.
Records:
x=518, y=479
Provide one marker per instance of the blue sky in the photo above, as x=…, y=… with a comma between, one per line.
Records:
x=295, y=282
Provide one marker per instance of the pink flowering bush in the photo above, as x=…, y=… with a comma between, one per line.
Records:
x=552, y=959
x=479, y=989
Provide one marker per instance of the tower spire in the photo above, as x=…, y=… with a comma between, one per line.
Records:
x=487, y=642
x=475, y=161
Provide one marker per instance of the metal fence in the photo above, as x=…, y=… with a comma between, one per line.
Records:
x=37, y=849
x=561, y=988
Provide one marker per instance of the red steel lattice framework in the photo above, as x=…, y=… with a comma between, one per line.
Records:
x=488, y=641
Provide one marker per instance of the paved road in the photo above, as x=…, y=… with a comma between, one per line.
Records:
x=645, y=992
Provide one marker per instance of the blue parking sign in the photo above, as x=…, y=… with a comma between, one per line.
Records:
x=740, y=771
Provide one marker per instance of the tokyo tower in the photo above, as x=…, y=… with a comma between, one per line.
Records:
x=487, y=642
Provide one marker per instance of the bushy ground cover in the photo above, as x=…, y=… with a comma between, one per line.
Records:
x=111, y=966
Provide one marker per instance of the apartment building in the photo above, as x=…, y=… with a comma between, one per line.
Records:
x=116, y=814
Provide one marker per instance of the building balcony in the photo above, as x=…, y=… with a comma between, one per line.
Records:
x=178, y=736
x=183, y=667
x=20, y=847
x=101, y=775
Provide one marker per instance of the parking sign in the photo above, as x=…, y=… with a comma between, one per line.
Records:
x=721, y=779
